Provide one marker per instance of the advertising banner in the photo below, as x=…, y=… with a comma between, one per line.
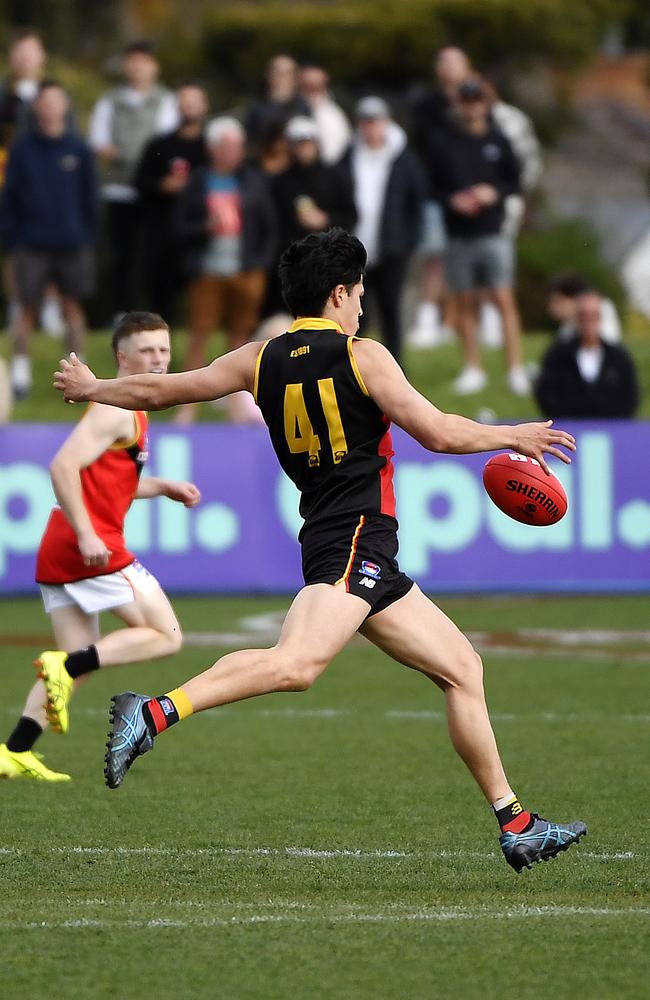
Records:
x=242, y=537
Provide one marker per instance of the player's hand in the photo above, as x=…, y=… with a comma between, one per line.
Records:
x=465, y=202
x=486, y=194
x=173, y=182
x=75, y=380
x=185, y=493
x=93, y=551
x=536, y=440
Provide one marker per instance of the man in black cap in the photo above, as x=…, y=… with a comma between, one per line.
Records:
x=472, y=169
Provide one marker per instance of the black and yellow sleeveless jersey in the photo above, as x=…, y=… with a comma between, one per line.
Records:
x=330, y=437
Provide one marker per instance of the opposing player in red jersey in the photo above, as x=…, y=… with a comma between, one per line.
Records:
x=328, y=399
x=83, y=565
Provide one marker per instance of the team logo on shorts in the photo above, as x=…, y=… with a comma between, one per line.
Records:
x=370, y=569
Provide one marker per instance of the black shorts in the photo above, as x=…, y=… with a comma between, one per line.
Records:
x=359, y=551
x=72, y=272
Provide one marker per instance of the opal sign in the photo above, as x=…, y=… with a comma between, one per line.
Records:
x=452, y=538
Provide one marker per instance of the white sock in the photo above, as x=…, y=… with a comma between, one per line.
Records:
x=427, y=316
x=21, y=372
x=504, y=801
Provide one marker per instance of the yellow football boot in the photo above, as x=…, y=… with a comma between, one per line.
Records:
x=50, y=667
x=26, y=765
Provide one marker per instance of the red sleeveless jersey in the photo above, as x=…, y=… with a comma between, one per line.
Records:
x=108, y=485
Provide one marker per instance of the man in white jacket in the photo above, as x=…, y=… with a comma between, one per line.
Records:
x=389, y=192
x=334, y=130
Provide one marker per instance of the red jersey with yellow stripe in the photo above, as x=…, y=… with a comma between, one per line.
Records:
x=108, y=485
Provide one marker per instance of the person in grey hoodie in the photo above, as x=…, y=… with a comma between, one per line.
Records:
x=389, y=193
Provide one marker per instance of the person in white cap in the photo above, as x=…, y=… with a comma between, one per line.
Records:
x=389, y=193
x=311, y=196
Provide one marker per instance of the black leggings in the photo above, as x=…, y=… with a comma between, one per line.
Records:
x=384, y=283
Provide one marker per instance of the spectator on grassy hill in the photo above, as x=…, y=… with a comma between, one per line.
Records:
x=162, y=174
x=519, y=130
x=281, y=102
x=431, y=110
x=311, y=195
x=122, y=123
x=334, y=130
x=19, y=89
x=585, y=376
x=472, y=170
x=389, y=190
x=27, y=59
x=227, y=231
x=562, y=294
x=49, y=216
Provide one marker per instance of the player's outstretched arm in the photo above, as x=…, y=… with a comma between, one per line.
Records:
x=230, y=373
x=449, y=432
x=154, y=486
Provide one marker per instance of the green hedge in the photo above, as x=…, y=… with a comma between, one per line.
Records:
x=382, y=42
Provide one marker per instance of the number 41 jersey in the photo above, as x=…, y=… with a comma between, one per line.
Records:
x=330, y=437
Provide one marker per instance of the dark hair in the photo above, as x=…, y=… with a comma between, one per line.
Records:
x=23, y=34
x=312, y=267
x=141, y=47
x=570, y=285
x=136, y=322
x=50, y=85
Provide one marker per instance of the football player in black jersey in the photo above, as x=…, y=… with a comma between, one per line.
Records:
x=329, y=399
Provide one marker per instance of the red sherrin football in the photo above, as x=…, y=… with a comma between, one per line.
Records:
x=522, y=490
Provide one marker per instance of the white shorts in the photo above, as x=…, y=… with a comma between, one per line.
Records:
x=100, y=593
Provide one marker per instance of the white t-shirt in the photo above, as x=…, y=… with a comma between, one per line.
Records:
x=590, y=361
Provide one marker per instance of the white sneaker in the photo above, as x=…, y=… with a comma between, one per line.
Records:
x=469, y=381
x=420, y=338
x=425, y=332
x=447, y=334
x=518, y=381
x=52, y=322
x=490, y=331
x=21, y=375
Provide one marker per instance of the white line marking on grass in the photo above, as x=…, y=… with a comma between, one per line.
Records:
x=392, y=714
x=442, y=915
x=355, y=854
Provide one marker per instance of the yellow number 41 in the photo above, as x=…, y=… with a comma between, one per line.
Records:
x=299, y=430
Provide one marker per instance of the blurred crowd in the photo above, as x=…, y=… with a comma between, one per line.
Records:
x=191, y=210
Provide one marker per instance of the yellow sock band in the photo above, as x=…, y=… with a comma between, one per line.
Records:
x=182, y=703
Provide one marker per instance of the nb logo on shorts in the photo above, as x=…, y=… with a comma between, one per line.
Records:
x=366, y=582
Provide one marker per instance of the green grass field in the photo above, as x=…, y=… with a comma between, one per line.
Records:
x=330, y=844
x=431, y=371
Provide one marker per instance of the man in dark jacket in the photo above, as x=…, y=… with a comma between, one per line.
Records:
x=389, y=192
x=281, y=102
x=311, y=196
x=472, y=169
x=49, y=219
x=161, y=175
x=227, y=232
x=585, y=376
